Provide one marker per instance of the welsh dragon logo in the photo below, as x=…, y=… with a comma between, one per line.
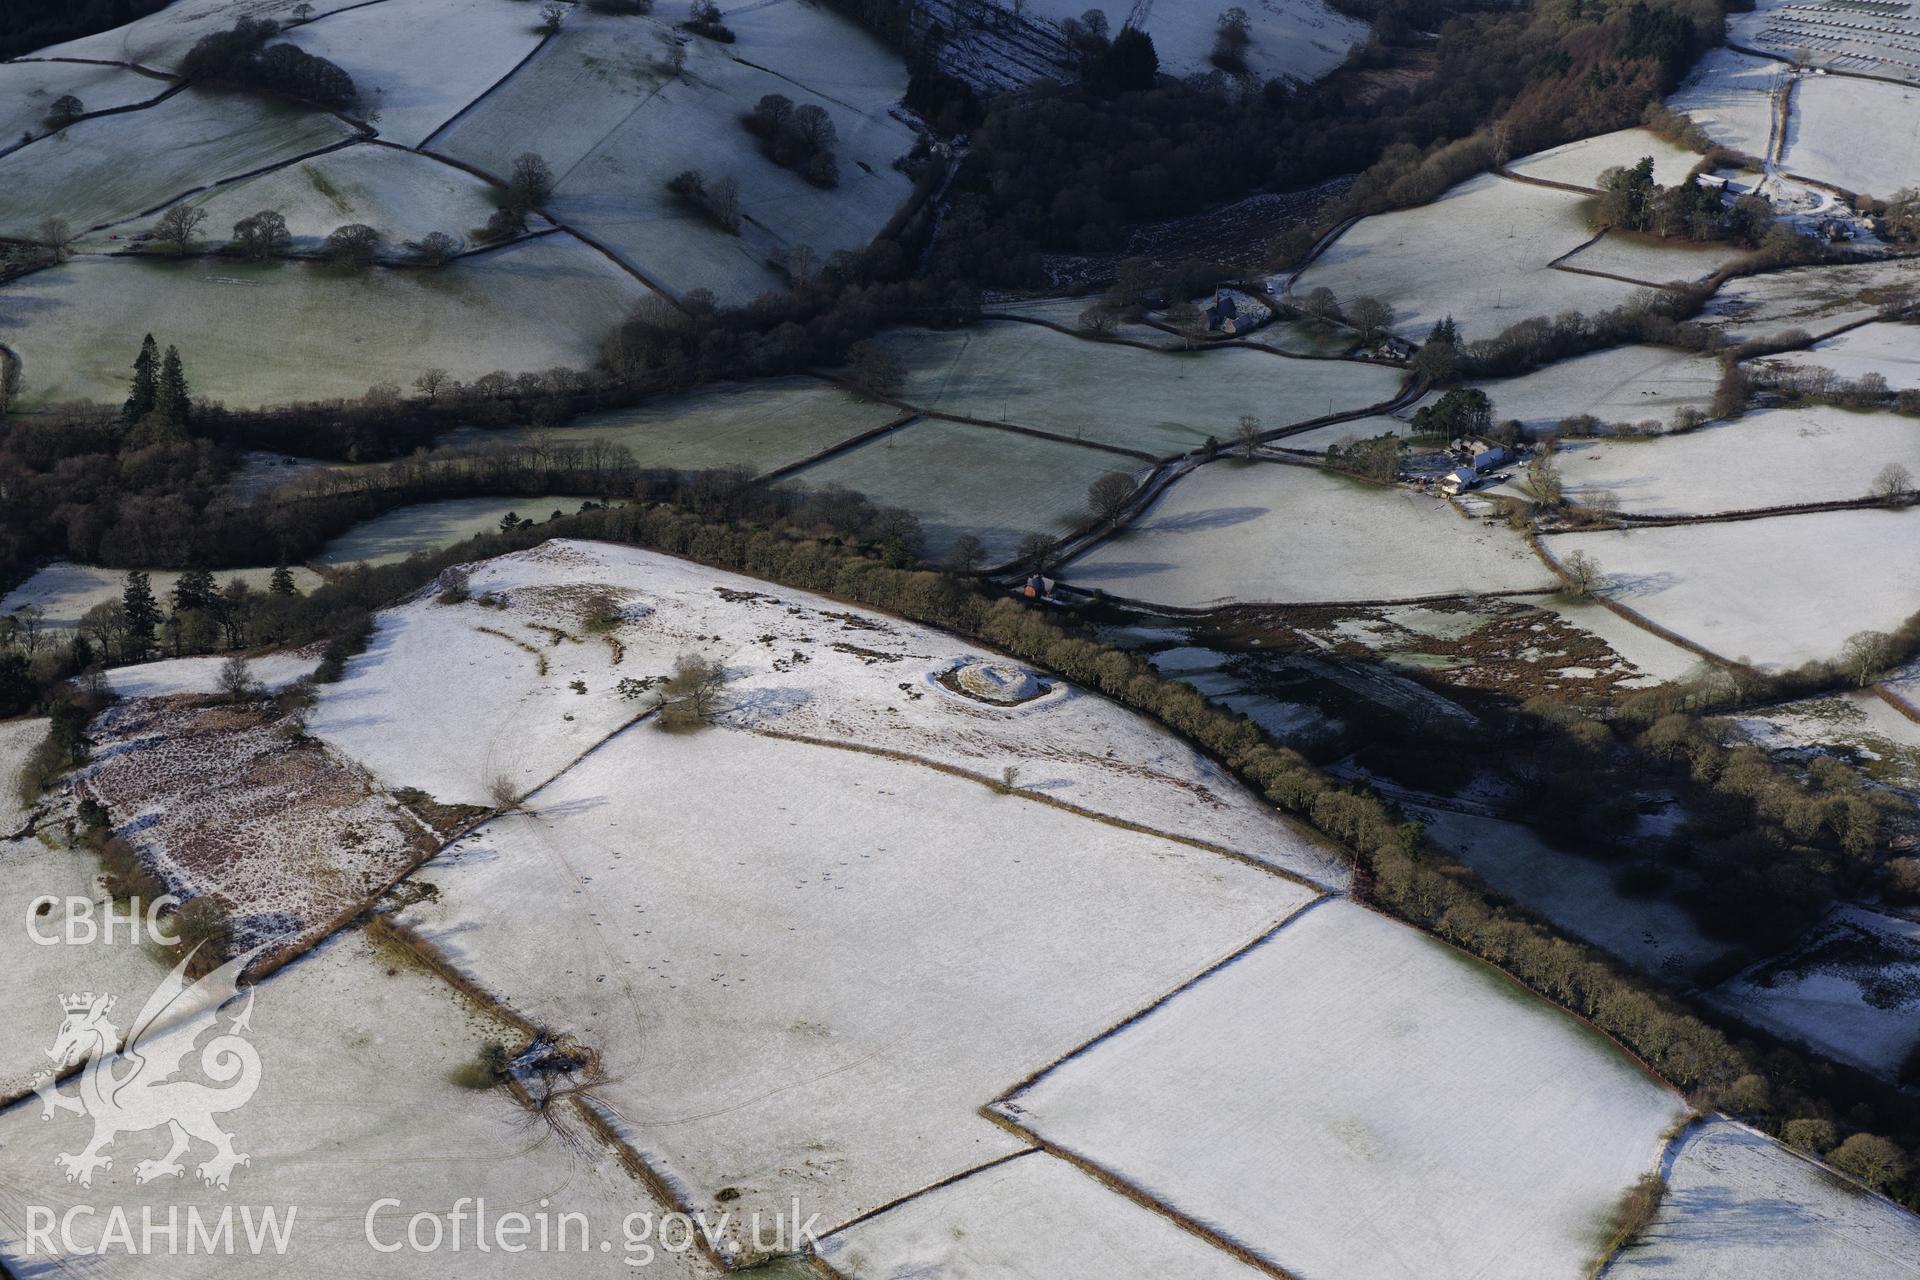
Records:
x=130, y=1088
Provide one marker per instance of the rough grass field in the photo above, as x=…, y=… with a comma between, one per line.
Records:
x=1262, y=533
x=763, y=426
x=630, y=125
x=1035, y=1215
x=28, y=91
x=1815, y=300
x=1850, y=988
x=230, y=800
x=1581, y=163
x=270, y=333
x=1619, y=384
x=1479, y=253
x=113, y=167
x=18, y=738
x=1161, y=403
x=402, y=196
x=1769, y=458
x=1577, y=894
x=999, y=486
x=1343, y=1101
x=1739, y=1206
x=1778, y=591
x=418, y=62
x=429, y=526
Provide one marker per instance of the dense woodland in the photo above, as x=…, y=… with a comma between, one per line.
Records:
x=35, y=24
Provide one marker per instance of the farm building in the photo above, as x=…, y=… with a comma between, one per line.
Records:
x=1232, y=312
x=1458, y=481
x=1483, y=455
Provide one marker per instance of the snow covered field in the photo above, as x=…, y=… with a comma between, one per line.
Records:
x=1576, y=893
x=763, y=425
x=419, y=62
x=1346, y=1101
x=64, y=591
x=1581, y=163
x=1280, y=534
x=1777, y=591
x=354, y=1105
x=1815, y=300
x=400, y=195
x=28, y=91
x=34, y=974
x=1654, y=261
x=808, y=989
x=1162, y=404
x=114, y=167
x=162, y=38
x=1860, y=135
x=1730, y=95
x=1890, y=350
x=1859, y=724
x=201, y=675
x=1031, y=1216
x=998, y=486
x=1292, y=39
x=429, y=526
x=475, y=703
x=1742, y=1207
x=629, y=126
x=1850, y=988
x=1619, y=384
x=270, y=333
x=1769, y=458
x=1479, y=253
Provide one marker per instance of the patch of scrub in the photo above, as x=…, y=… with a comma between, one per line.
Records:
x=432, y=526
x=64, y=591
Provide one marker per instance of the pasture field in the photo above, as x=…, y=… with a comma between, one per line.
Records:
x=253, y=334
x=400, y=195
x=33, y=975
x=1479, y=253
x=200, y=676
x=1067, y=312
x=28, y=91
x=1769, y=458
x=766, y=1022
x=640, y=125
x=1297, y=40
x=429, y=526
x=1849, y=987
x=800, y=665
x=1340, y=1101
x=1814, y=300
x=418, y=62
x=763, y=426
x=1860, y=135
x=1777, y=591
x=1890, y=350
x=1581, y=163
x=1619, y=384
x=997, y=485
x=64, y=591
x=1740, y=1206
x=1577, y=894
x=1320, y=439
x=1264, y=533
x=1035, y=1215
x=355, y=1104
x=112, y=168
x=160, y=40
x=808, y=43
x=1654, y=261
x=1730, y=95
x=1162, y=404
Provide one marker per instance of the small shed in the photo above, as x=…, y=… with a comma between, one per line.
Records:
x=1458, y=481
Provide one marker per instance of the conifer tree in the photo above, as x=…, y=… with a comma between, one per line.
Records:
x=170, y=402
x=142, y=613
x=146, y=374
x=281, y=584
x=193, y=590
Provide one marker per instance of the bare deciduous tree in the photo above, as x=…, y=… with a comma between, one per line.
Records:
x=1582, y=574
x=1108, y=495
x=1865, y=655
x=178, y=226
